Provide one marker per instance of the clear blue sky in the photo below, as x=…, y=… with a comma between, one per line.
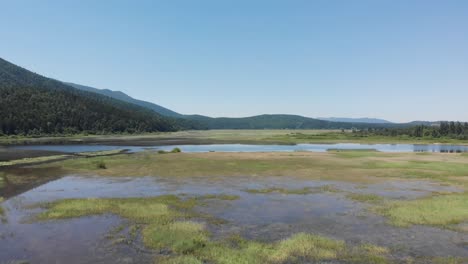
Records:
x=399, y=60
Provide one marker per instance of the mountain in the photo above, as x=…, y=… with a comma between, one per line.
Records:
x=126, y=98
x=254, y=122
x=355, y=120
x=33, y=104
x=277, y=122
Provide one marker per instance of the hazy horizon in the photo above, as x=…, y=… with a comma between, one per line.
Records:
x=394, y=60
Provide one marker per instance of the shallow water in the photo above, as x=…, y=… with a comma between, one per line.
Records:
x=265, y=217
x=256, y=148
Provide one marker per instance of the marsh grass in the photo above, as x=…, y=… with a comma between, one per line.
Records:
x=174, y=150
x=177, y=260
x=2, y=211
x=225, y=197
x=441, y=210
x=100, y=164
x=2, y=179
x=32, y=160
x=101, y=153
x=354, y=153
x=168, y=223
x=43, y=159
x=313, y=165
x=366, y=198
x=299, y=191
x=333, y=136
x=182, y=237
x=302, y=191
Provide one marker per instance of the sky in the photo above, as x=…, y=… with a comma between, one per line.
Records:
x=400, y=60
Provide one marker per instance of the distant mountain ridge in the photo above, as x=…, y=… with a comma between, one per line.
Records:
x=265, y=121
x=279, y=121
x=356, y=120
x=126, y=98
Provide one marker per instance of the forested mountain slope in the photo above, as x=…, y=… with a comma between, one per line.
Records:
x=33, y=104
x=126, y=98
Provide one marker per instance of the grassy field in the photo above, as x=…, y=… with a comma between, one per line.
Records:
x=267, y=136
x=343, y=166
x=45, y=159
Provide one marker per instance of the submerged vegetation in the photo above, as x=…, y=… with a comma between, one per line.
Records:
x=300, y=191
x=362, y=197
x=1, y=208
x=169, y=224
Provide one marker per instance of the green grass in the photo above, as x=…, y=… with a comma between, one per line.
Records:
x=2, y=211
x=32, y=160
x=444, y=171
x=442, y=210
x=178, y=260
x=268, y=136
x=2, y=179
x=225, y=197
x=348, y=137
x=367, y=198
x=448, y=168
x=168, y=223
x=343, y=166
x=354, y=153
x=174, y=150
x=26, y=161
x=182, y=237
x=100, y=153
x=303, y=191
x=101, y=164
x=300, y=191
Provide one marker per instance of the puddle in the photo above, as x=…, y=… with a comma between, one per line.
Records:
x=266, y=217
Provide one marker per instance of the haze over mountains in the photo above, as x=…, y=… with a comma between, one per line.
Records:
x=34, y=104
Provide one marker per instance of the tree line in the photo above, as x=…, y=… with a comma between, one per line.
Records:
x=452, y=130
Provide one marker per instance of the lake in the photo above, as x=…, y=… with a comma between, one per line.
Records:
x=257, y=148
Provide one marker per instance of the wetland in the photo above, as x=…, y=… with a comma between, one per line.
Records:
x=155, y=205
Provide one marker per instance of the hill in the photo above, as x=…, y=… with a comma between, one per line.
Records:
x=278, y=122
x=33, y=104
x=254, y=122
x=356, y=120
x=126, y=98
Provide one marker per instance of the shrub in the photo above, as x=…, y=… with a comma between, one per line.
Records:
x=101, y=165
x=176, y=150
